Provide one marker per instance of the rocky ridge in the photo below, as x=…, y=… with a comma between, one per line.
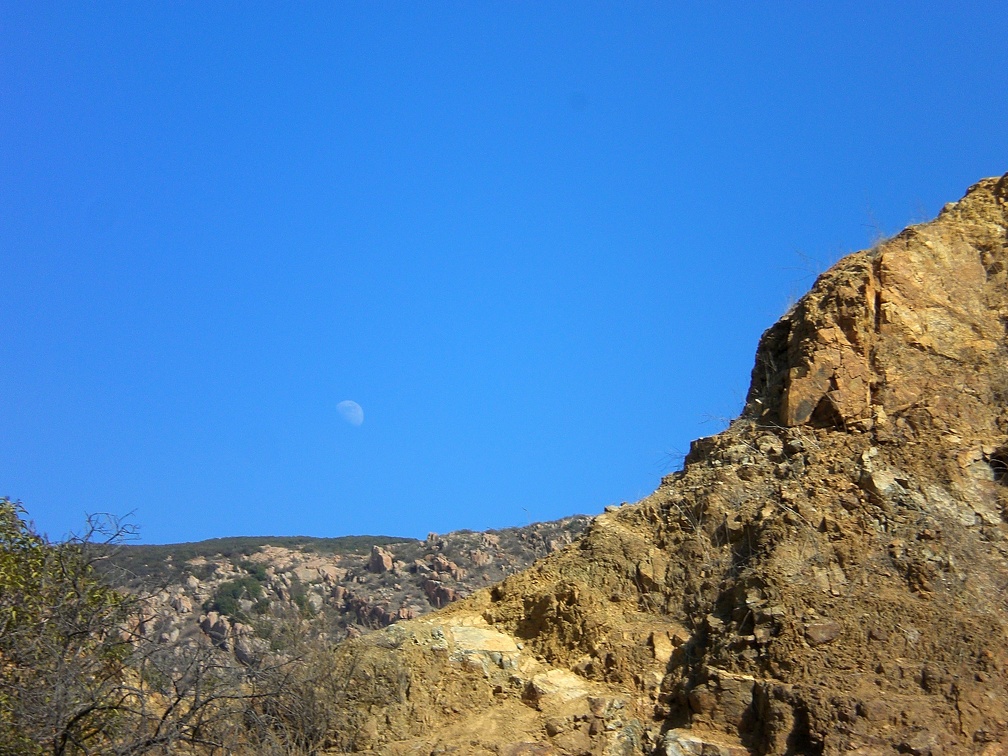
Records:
x=828, y=575
x=233, y=591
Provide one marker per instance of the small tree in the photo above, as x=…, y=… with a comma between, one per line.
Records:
x=62, y=652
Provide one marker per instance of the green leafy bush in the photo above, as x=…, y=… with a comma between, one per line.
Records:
x=226, y=597
x=255, y=569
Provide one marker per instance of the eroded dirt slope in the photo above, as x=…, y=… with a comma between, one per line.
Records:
x=828, y=575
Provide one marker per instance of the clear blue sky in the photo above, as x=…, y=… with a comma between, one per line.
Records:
x=536, y=242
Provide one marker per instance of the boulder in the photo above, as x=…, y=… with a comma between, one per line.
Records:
x=380, y=561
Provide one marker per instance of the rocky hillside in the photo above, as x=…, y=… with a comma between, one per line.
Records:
x=235, y=590
x=829, y=575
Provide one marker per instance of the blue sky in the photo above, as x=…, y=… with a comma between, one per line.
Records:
x=536, y=242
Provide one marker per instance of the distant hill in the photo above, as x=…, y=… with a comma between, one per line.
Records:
x=349, y=584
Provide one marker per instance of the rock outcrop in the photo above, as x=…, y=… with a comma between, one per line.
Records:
x=380, y=561
x=828, y=575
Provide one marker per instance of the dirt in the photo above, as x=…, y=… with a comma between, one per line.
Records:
x=828, y=575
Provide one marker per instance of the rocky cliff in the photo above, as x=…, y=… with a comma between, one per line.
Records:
x=829, y=574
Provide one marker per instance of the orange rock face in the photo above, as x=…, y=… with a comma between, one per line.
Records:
x=889, y=326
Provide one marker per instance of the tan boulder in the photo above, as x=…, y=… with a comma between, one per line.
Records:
x=380, y=561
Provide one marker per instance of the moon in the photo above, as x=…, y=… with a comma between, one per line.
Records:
x=351, y=412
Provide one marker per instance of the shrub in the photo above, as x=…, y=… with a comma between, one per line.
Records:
x=62, y=655
x=255, y=569
x=226, y=597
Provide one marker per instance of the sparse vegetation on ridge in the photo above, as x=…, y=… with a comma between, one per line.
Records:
x=157, y=564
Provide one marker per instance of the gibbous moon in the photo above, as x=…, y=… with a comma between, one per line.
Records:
x=351, y=412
